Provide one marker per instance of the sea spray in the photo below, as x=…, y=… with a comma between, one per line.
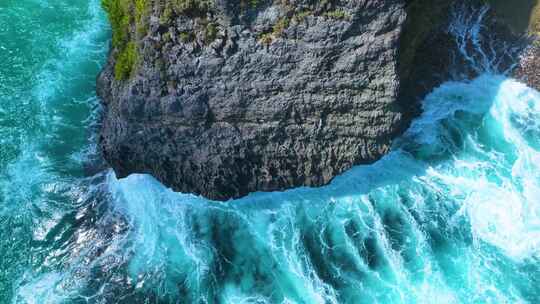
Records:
x=445, y=215
x=450, y=215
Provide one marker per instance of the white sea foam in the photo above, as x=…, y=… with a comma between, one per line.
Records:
x=436, y=220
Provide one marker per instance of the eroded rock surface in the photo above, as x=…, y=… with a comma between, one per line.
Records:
x=248, y=96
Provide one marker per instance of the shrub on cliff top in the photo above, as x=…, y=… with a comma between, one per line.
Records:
x=210, y=32
x=338, y=14
x=141, y=11
x=126, y=62
x=118, y=12
x=122, y=15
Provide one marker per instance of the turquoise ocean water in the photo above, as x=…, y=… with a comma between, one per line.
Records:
x=451, y=215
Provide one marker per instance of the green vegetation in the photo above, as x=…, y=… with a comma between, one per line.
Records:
x=141, y=11
x=119, y=17
x=122, y=15
x=280, y=26
x=210, y=33
x=338, y=14
x=166, y=37
x=277, y=30
x=186, y=37
x=166, y=15
x=126, y=61
x=141, y=7
x=192, y=7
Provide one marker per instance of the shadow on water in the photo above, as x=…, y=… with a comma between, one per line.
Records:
x=423, y=221
x=513, y=11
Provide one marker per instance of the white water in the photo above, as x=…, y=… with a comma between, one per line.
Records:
x=457, y=197
x=451, y=215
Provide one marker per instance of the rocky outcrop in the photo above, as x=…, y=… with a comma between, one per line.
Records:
x=229, y=97
x=529, y=66
x=259, y=107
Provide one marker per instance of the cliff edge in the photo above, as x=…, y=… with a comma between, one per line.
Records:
x=223, y=98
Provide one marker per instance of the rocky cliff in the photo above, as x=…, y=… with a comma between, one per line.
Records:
x=226, y=97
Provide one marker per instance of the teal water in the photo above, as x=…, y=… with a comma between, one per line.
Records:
x=50, y=54
x=451, y=215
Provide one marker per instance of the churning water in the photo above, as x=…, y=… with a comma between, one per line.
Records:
x=451, y=215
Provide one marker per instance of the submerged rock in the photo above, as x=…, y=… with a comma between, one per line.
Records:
x=229, y=97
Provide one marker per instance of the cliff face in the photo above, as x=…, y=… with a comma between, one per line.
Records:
x=227, y=97
x=261, y=97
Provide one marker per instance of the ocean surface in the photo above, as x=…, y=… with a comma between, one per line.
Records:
x=451, y=215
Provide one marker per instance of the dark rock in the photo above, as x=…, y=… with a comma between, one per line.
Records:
x=263, y=107
x=529, y=65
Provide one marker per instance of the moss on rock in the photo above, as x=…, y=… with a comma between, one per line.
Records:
x=126, y=61
x=127, y=19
